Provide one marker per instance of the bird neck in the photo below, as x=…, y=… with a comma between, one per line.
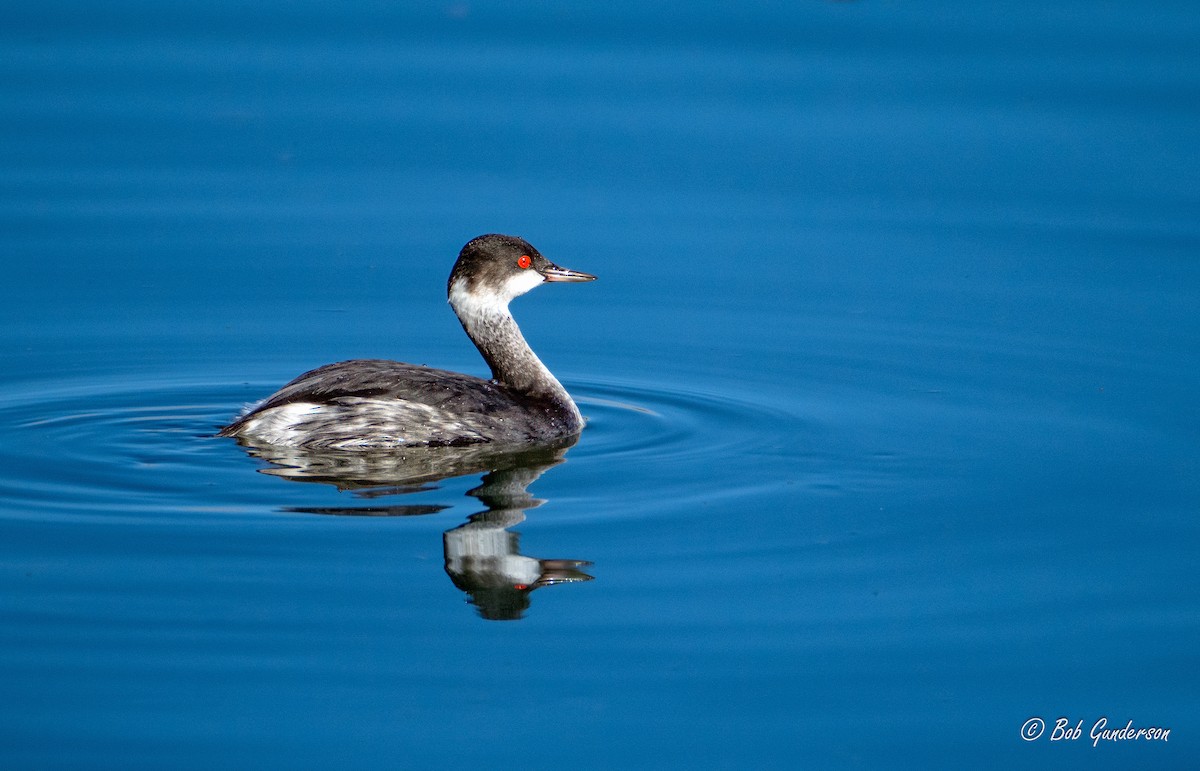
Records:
x=494, y=331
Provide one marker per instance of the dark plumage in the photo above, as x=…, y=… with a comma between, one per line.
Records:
x=378, y=404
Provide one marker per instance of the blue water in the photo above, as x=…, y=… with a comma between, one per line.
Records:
x=891, y=375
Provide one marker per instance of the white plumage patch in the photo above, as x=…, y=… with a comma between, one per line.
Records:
x=362, y=423
x=279, y=425
x=479, y=305
x=522, y=282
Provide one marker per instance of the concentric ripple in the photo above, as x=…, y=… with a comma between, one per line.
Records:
x=633, y=422
x=74, y=450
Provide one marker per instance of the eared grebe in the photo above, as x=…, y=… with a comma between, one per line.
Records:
x=369, y=404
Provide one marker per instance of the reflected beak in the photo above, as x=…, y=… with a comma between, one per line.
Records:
x=562, y=571
x=554, y=273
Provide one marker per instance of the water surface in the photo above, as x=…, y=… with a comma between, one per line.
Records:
x=890, y=375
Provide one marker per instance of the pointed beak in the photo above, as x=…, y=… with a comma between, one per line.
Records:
x=554, y=273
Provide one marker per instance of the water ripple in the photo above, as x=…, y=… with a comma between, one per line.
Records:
x=76, y=450
x=633, y=421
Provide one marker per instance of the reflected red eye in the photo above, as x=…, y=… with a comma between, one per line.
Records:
x=523, y=261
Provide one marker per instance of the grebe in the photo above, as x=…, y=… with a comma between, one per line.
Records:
x=371, y=404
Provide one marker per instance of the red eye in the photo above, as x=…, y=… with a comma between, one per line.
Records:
x=523, y=261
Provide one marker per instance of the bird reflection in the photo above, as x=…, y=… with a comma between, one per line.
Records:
x=482, y=555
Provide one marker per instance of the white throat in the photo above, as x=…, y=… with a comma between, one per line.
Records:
x=492, y=304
